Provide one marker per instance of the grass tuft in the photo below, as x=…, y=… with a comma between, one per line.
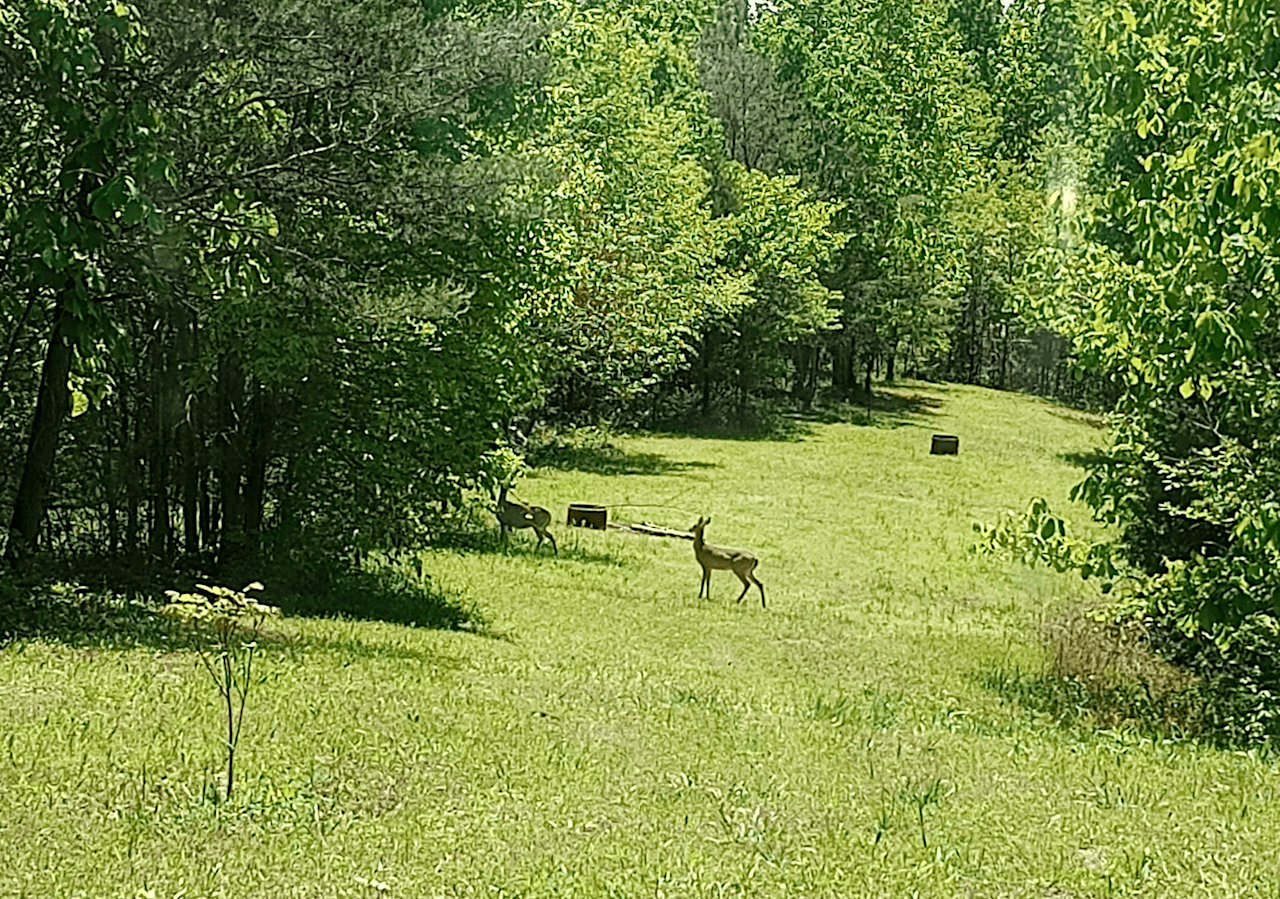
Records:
x=1101, y=674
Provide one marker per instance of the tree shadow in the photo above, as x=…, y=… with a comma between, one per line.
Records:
x=80, y=617
x=489, y=543
x=1072, y=703
x=1087, y=460
x=885, y=409
x=780, y=427
x=127, y=617
x=101, y=622
x=1077, y=416
x=388, y=594
x=607, y=459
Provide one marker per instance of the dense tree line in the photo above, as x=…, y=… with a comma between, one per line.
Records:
x=282, y=276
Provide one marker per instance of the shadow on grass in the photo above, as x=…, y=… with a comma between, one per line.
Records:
x=103, y=617
x=518, y=546
x=1076, y=416
x=608, y=460
x=886, y=409
x=781, y=427
x=389, y=595
x=87, y=618
x=891, y=406
x=1087, y=460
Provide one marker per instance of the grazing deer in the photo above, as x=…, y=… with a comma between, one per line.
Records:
x=518, y=515
x=739, y=561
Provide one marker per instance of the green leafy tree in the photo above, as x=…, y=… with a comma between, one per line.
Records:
x=1181, y=282
x=632, y=248
x=229, y=215
x=780, y=237
x=1172, y=295
x=80, y=151
x=896, y=123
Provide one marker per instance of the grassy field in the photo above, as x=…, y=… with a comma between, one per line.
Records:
x=607, y=734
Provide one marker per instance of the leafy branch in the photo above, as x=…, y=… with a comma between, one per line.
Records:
x=1037, y=536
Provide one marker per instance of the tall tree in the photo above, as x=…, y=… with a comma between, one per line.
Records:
x=633, y=250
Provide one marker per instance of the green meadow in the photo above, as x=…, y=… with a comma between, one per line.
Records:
x=588, y=727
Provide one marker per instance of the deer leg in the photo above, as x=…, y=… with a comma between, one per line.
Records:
x=554, y=548
x=706, y=583
x=761, y=586
x=746, y=585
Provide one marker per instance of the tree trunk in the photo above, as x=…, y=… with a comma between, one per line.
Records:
x=746, y=373
x=112, y=479
x=262, y=419
x=188, y=440
x=208, y=527
x=230, y=457
x=158, y=538
x=131, y=438
x=803, y=387
x=158, y=529
x=190, y=476
x=1004, y=355
x=840, y=366
x=53, y=403
x=851, y=365
x=706, y=374
x=15, y=335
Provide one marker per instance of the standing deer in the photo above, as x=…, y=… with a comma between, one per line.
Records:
x=518, y=515
x=739, y=561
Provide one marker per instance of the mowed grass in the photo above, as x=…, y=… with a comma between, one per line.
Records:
x=608, y=734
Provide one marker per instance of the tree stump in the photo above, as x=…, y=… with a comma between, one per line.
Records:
x=586, y=515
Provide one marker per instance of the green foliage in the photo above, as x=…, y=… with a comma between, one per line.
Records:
x=764, y=118
x=1032, y=537
x=1182, y=288
x=1238, y=678
x=225, y=625
x=632, y=248
x=780, y=237
x=1001, y=334
x=895, y=122
x=504, y=466
x=296, y=307
x=1171, y=298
